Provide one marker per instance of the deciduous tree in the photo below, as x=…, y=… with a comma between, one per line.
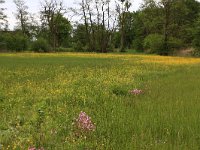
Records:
x=3, y=21
x=22, y=16
x=50, y=14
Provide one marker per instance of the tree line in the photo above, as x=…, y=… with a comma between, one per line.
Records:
x=158, y=26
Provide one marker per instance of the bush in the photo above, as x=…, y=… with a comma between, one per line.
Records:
x=3, y=45
x=137, y=44
x=16, y=42
x=175, y=44
x=154, y=43
x=110, y=47
x=196, y=43
x=62, y=49
x=40, y=45
x=196, y=53
x=79, y=47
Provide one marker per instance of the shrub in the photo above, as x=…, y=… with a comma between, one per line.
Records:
x=3, y=45
x=196, y=43
x=175, y=43
x=78, y=47
x=16, y=42
x=110, y=47
x=137, y=44
x=2, y=42
x=40, y=45
x=196, y=40
x=196, y=53
x=154, y=43
x=62, y=49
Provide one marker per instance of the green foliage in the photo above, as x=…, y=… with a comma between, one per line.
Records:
x=154, y=43
x=3, y=45
x=41, y=95
x=63, y=28
x=62, y=49
x=142, y=29
x=175, y=44
x=138, y=32
x=129, y=22
x=40, y=45
x=182, y=15
x=79, y=47
x=110, y=47
x=196, y=40
x=98, y=40
x=79, y=34
x=151, y=17
x=16, y=42
x=116, y=39
x=137, y=44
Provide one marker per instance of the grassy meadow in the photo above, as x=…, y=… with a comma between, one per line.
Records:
x=41, y=95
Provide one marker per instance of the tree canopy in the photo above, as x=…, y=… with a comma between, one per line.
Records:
x=105, y=26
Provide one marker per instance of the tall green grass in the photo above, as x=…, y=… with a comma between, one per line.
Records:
x=40, y=97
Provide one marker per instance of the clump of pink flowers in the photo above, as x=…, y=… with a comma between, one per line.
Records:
x=84, y=122
x=136, y=92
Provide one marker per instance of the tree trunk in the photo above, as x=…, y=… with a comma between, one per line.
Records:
x=166, y=48
x=86, y=24
x=122, y=48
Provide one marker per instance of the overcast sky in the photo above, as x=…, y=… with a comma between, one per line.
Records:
x=34, y=6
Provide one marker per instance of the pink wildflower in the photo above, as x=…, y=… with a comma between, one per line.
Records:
x=136, y=92
x=84, y=122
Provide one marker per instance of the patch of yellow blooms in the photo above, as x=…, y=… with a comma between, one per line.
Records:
x=168, y=60
x=35, y=84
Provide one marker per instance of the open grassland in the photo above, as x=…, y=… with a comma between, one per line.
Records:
x=42, y=94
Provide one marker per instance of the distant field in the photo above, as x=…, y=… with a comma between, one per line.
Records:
x=41, y=95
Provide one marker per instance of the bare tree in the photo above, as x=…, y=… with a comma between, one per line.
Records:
x=3, y=21
x=121, y=10
x=22, y=15
x=49, y=16
x=96, y=16
x=107, y=29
